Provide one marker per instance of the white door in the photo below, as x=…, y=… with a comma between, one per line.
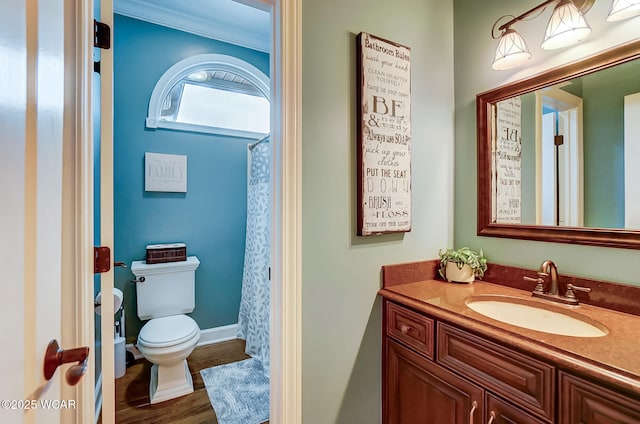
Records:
x=547, y=202
x=42, y=277
x=559, y=176
x=631, y=155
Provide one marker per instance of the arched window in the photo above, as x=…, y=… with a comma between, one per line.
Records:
x=214, y=94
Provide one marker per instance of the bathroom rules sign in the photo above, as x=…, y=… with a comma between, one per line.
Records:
x=507, y=162
x=384, y=136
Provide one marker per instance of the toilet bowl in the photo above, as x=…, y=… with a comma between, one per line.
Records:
x=164, y=296
x=167, y=342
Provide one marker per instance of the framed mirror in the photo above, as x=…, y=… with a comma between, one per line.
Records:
x=559, y=154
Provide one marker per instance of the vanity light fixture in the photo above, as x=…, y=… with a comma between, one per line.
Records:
x=512, y=51
x=566, y=26
x=623, y=9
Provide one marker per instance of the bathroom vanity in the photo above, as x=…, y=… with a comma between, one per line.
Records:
x=445, y=363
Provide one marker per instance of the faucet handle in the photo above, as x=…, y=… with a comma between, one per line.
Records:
x=571, y=288
x=539, y=282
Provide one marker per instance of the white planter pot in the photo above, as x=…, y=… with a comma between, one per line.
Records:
x=454, y=274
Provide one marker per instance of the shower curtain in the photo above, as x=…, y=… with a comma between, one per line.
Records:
x=253, y=319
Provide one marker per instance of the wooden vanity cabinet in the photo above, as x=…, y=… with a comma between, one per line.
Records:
x=435, y=372
x=418, y=389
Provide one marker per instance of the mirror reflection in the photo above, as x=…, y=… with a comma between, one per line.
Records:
x=566, y=155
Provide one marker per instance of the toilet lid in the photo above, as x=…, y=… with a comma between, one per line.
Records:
x=167, y=331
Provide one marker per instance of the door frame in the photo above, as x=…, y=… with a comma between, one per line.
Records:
x=77, y=255
x=286, y=69
x=571, y=160
x=286, y=293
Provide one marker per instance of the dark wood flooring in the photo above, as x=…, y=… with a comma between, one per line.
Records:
x=132, y=390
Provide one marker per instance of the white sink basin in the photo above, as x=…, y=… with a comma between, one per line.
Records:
x=535, y=316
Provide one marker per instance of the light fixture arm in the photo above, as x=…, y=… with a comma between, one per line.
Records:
x=566, y=26
x=525, y=14
x=582, y=5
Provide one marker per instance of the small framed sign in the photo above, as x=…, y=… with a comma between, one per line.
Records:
x=165, y=172
x=384, y=136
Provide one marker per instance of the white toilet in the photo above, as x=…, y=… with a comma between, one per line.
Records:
x=169, y=337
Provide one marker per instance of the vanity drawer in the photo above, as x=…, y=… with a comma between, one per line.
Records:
x=410, y=328
x=518, y=378
x=584, y=402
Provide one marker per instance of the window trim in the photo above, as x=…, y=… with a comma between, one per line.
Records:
x=185, y=67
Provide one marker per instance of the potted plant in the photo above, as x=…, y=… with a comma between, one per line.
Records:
x=462, y=265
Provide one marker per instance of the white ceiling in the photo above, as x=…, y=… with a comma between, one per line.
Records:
x=224, y=20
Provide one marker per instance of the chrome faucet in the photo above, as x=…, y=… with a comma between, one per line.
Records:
x=549, y=269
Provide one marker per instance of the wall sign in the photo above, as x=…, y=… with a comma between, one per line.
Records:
x=384, y=136
x=507, y=159
x=165, y=172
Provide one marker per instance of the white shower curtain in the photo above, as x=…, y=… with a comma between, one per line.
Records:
x=253, y=319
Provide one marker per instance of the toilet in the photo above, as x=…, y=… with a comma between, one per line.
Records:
x=168, y=338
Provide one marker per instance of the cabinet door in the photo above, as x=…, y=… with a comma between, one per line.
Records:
x=582, y=402
x=417, y=391
x=499, y=411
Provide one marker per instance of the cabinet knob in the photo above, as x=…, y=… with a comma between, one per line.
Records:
x=404, y=329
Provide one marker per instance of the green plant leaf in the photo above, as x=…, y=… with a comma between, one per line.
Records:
x=463, y=256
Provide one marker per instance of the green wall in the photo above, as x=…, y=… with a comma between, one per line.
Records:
x=603, y=123
x=604, y=143
x=474, y=50
x=341, y=313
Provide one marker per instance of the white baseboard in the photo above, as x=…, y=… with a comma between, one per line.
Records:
x=130, y=347
x=218, y=334
x=98, y=393
x=207, y=336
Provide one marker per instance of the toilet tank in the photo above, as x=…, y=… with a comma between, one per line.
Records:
x=168, y=288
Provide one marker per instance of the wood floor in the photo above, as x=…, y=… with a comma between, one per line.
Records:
x=132, y=390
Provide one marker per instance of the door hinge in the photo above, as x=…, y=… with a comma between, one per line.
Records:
x=558, y=140
x=269, y=273
x=96, y=67
x=101, y=259
x=101, y=35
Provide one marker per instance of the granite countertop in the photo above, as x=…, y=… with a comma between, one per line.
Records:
x=613, y=358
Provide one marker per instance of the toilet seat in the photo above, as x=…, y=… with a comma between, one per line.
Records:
x=168, y=331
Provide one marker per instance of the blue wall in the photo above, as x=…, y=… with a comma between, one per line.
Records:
x=210, y=218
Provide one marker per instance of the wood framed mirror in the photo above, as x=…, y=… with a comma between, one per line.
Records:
x=538, y=177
